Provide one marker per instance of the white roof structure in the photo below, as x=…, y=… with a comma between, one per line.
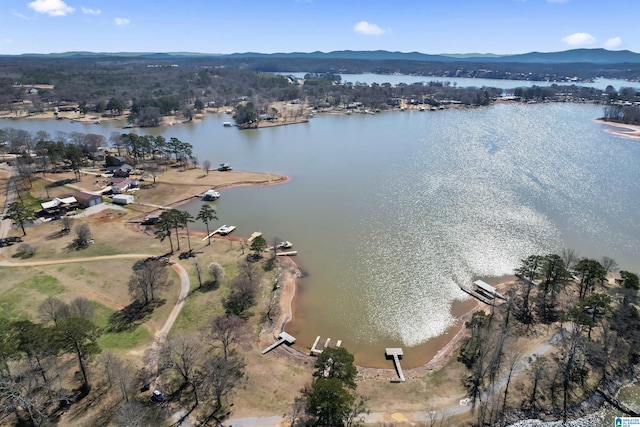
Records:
x=485, y=286
x=57, y=202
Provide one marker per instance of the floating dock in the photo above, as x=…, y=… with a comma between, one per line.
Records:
x=282, y=338
x=478, y=295
x=396, y=354
x=487, y=288
x=290, y=253
x=315, y=350
x=253, y=236
x=223, y=231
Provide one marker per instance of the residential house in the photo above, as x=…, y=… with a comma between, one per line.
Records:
x=58, y=205
x=86, y=199
x=120, y=185
x=121, y=171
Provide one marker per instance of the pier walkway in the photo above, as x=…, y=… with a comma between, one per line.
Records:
x=282, y=338
x=396, y=354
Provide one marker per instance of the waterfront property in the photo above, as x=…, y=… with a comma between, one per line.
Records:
x=469, y=193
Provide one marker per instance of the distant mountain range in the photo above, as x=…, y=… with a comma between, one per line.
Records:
x=595, y=56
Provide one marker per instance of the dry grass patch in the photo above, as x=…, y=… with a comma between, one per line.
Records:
x=4, y=183
x=174, y=184
x=111, y=236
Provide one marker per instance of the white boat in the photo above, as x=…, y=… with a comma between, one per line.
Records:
x=211, y=195
x=224, y=167
x=227, y=124
x=284, y=245
x=224, y=230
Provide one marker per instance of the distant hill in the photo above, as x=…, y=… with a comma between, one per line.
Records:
x=595, y=56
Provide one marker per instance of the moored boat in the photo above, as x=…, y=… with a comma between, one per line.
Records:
x=210, y=195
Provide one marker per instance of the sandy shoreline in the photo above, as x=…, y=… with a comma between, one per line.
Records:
x=621, y=129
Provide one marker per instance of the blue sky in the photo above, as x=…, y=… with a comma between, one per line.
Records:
x=212, y=26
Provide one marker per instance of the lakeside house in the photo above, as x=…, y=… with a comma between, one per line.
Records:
x=122, y=171
x=58, y=205
x=120, y=185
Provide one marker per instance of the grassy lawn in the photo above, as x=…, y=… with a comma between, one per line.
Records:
x=125, y=340
x=21, y=294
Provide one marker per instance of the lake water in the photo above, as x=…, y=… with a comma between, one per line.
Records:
x=395, y=79
x=389, y=212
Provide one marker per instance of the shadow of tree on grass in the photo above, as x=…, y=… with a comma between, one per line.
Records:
x=57, y=234
x=132, y=315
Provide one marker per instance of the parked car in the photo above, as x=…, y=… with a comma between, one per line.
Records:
x=157, y=396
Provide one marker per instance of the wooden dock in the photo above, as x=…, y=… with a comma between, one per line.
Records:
x=396, y=354
x=282, y=338
x=477, y=295
x=223, y=231
x=315, y=350
x=289, y=253
x=253, y=236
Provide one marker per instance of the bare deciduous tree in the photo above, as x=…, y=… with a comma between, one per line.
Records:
x=81, y=307
x=147, y=280
x=181, y=356
x=53, y=310
x=227, y=331
x=221, y=379
x=84, y=236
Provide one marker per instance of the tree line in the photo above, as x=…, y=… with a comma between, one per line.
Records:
x=110, y=87
x=595, y=343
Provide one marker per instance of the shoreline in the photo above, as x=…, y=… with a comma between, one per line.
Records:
x=621, y=129
x=437, y=350
x=441, y=348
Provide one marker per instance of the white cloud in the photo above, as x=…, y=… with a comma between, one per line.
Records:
x=88, y=11
x=368, y=29
x=612, y=43
x=579, y=39
x=122, y=22
x=19, y=15
x=557, y=1
x=51, y=7
x=7, y=41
